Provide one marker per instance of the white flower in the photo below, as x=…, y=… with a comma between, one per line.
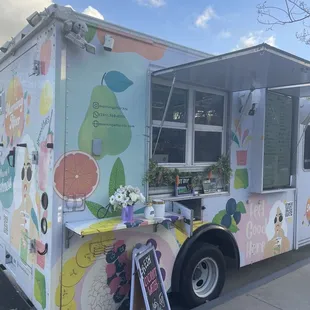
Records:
x=142, y=198
x=134, y=197
x=130, y=188
x=112, y=200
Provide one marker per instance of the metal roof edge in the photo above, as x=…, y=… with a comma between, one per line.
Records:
x=63, y=13
x=260, y=47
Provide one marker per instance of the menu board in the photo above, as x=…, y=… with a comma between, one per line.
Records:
x=151, y=282
x=277, y=141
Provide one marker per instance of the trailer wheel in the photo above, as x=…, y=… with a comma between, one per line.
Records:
x=203, y=275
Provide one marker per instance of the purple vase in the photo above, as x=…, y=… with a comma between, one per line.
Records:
x=127, y=214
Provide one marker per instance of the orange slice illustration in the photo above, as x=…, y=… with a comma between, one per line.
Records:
x=76, y=175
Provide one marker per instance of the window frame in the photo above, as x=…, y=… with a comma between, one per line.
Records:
x=190, y=126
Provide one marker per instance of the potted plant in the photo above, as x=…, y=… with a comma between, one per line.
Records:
x=124, y=198
x=160, y=179
x=222, y=170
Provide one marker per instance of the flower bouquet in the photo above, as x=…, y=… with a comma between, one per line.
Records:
x=124, y=198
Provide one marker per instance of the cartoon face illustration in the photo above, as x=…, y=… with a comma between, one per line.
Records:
x=26, y=175
x=278, y=219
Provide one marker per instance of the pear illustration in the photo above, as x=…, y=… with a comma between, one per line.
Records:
x=104, y=120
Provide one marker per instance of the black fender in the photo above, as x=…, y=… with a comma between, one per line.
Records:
x=185, y=250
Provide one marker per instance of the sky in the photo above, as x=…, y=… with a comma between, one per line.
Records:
x=214, y=27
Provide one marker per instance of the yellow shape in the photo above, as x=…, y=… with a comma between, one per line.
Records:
x=67, y=295
x=71, y=306
x=49, y=224
x=197, y=224
x=27, y=119
x=38, y=200
x=180, y=236
x=46, y=98
x=103, y=226
x=72, y=273
x=84, y=257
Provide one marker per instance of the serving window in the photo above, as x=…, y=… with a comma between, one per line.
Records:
x=193, y=130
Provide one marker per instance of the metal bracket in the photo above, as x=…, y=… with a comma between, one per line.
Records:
x=68, y=237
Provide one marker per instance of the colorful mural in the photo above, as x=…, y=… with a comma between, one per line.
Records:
x=231, y=216
x=276, y=231
x=306, y=217
x=241, y=139
x=14, y=114
x=105, y=100
x=262, y=230
x=99, y=275
x=76, y=175
x=105, y=119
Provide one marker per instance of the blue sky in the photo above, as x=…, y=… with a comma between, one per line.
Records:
x=211, y=26
x=214, y=27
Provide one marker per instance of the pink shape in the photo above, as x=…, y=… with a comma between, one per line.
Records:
x=44, y=157
x=110, y=269
x=251, y=236
x=114, y=285
x=242, y=157
x=124, y=290
x=40, y=258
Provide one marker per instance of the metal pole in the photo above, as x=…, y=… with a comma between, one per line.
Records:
x=164, y=116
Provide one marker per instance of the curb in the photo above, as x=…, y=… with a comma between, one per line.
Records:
x=249, y=287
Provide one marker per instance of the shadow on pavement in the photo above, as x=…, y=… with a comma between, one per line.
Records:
x=237, y=280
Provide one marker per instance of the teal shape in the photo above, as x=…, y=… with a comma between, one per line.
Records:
x=7, y=174
x=117, y=81
x=34, y=218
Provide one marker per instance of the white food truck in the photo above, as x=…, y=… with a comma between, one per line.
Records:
x=87, y=107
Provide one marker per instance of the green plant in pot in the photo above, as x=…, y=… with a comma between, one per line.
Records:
x=158, y=176
x=222, y=170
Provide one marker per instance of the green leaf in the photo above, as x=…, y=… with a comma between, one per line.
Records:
x=40, y=288
x=241, y=178
x=218, y=217
x=117, y=177
x=93, y=207
x=233, y=226
x=90, y=34
x=241, y=207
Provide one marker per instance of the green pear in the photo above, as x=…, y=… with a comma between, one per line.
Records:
x=104, y=120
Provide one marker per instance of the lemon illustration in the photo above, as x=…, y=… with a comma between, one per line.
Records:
x=84, y=257
x=70, y=306
x=67, y=296
x=105, y=225
x=72, y=273
x=46, y=98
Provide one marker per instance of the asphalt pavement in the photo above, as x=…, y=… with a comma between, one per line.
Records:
x=258, y=286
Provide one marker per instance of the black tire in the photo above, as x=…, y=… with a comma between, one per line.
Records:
x=199, y=252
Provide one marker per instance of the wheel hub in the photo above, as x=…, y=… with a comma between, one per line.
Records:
x=205, y=277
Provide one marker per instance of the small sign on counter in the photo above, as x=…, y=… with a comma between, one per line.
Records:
x=145, y=267
x=183, y=186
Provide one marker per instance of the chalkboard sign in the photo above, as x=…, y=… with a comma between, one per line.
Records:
x=183, y=186
x=151, y=282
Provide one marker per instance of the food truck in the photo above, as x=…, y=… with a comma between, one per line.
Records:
x=88, y=107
